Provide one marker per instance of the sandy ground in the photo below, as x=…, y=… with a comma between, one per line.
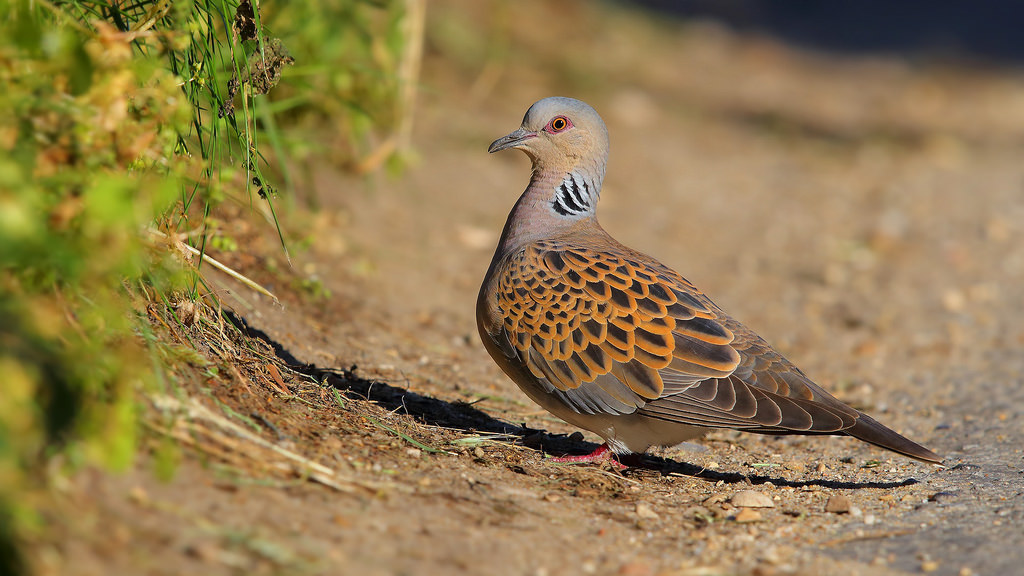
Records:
x=866, y=216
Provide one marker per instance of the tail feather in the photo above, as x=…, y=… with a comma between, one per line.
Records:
x=871, y=431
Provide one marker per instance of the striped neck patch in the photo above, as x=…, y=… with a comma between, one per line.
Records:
x=574, y=196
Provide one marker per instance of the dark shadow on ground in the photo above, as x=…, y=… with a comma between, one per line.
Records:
x=463, y=416
x=667, y=467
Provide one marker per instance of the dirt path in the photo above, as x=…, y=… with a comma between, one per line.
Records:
x=866, y=217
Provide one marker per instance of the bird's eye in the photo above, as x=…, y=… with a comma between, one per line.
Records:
x=558, y=124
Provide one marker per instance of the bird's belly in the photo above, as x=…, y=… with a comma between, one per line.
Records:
x=637, y=433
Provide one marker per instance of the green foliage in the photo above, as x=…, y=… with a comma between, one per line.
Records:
x=125, y=125
x=81, y=175
x=86, y=165
x=355, y=80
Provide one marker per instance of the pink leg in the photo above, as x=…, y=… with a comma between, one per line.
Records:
x=602, y=454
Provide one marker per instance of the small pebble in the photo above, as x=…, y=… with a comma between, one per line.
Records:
x=751, y=499
x=869, y=519
x=748, y=515
x=644, y=511
x=929, y=566
x=203, y=551
x=954, y=300
x=699, y=513
x=414, y=452
x=635, y=569
x=479, y=452
x=838, y=504
x=139, y=495
x=714, y=499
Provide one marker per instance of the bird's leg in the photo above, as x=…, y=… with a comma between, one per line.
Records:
x=601, y=455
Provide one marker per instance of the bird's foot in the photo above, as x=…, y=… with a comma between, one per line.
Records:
x=601, y=455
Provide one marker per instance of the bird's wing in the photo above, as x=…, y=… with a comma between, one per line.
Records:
x=765, y=393
x=615, y=332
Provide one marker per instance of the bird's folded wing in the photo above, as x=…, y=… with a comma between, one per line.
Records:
x=765, y=390
x=607, y=332
x=732, y=403
x=614, y=333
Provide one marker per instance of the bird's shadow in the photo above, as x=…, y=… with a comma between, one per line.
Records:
x=666, y=467
x=464, y=416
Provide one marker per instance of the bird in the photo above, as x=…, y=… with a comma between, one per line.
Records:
x=613, y=341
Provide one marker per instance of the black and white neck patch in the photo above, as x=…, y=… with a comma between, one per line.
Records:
x=573, y=196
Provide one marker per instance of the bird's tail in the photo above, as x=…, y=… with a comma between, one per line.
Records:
x=871, y=431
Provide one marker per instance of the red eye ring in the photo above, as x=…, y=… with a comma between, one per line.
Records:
x=558, y=124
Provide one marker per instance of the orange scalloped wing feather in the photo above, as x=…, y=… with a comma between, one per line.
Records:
x=608, y=331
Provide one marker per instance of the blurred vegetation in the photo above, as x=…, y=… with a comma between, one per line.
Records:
x=125, y=125
x=360, y=85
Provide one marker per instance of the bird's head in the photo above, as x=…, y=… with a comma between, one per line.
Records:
x=560, y=134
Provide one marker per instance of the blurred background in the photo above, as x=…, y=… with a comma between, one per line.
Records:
x=945, y=30
x=202, y=206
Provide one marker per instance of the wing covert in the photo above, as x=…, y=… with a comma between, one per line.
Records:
x=606, y=332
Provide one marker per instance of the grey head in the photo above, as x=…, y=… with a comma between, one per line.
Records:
x=568, y=144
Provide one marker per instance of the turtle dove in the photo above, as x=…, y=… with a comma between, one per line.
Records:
x=611, y=340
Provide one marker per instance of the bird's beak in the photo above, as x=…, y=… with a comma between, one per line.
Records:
x=513, y=140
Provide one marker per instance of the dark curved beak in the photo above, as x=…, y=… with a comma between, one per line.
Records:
x=511, y=141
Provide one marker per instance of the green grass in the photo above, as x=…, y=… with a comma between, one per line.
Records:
x=126, y=126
